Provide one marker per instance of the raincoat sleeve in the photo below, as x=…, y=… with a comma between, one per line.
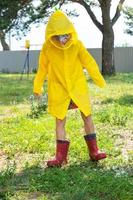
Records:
x=41, y=72
x=90, y=64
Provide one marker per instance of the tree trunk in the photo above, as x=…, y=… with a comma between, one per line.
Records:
x=3, y=41
x=108, y=66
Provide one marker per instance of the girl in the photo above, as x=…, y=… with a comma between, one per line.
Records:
x=63, y=58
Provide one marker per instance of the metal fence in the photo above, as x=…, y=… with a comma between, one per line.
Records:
x=13, y=61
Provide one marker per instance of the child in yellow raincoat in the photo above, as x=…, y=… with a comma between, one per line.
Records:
x=63, y=58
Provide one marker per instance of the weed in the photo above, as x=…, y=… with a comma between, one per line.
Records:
x=38, y=106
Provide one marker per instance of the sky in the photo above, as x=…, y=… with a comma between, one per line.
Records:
x=87, y=31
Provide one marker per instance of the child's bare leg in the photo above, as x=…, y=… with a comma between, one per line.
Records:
x=60, y=129
x=90, y=138
x=62, y=145
x=88, y=124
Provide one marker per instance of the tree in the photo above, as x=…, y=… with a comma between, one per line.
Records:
x=14, y=15
x=129, y=20
x=106, y=27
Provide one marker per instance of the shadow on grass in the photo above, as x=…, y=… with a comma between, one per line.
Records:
x=13, y=90
x=123, y=100
x=80, y=181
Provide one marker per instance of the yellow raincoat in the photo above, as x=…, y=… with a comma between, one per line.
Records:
x=64, y=67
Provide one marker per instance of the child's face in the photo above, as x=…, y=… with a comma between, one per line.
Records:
x=62, y=38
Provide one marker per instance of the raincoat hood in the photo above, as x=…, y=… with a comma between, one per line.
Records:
x=59, y=24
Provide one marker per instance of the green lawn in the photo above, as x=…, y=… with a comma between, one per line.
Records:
x=27, y=142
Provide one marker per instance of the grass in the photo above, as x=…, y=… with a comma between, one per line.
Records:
x=27, y=142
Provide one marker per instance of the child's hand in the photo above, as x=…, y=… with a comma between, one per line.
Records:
x=36, y=95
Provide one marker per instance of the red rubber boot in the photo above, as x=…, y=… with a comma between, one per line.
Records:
x=62, y=147
x=94, y=153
